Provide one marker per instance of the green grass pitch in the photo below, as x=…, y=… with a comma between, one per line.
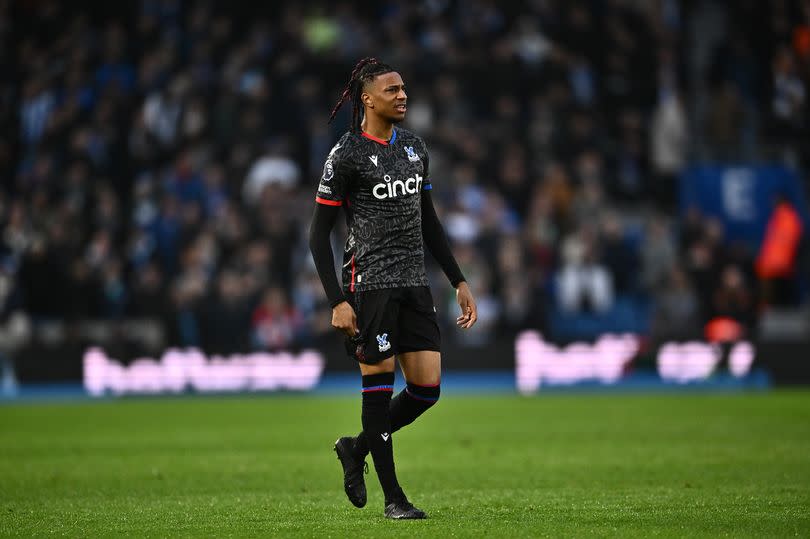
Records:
x=562, y=465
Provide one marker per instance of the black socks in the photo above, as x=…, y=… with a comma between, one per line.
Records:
x=412, y=402
x=376, y=416
x=409, y=404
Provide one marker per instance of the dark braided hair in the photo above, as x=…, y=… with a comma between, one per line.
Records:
x=365, y=71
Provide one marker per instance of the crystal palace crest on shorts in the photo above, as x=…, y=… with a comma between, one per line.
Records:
x=382, y=342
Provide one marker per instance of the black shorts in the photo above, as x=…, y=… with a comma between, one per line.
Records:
x=392, y=321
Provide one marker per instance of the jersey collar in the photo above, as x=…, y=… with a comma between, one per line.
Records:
x=379, y=140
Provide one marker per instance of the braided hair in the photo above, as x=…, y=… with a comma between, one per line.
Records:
x=365, y=71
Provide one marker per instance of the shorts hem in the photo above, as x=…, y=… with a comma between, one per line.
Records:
x=403, y=349
x=370, y=362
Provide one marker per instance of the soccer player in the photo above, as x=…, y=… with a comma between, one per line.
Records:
x=379, y=174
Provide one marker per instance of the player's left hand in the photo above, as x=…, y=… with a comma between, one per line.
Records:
x=469, y=312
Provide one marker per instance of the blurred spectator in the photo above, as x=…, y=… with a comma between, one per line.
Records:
x=274, y=168
x=276, y=324
x=558, y=190
x=227, y=316
x=149, y=299
x=514, y=284
x=15, y=329
x=583, y=284
x=480, y=278
x=617, y=255
x=724, y=122
x=669, y=144
x=658, y=256
x=311, y=299
x=701, y=266
x=676, y=313
x=162, y=111
x=590, y=175
x=777, y=260
x=789, y=103
x=114, y=292
x=733, y=300
x=541, y=234
x=37, y=105
x=188, y=291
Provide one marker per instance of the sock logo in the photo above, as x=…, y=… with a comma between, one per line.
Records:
x=385, y=436
x=382, y=342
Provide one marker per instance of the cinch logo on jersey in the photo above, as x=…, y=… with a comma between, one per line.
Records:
x=390, y=189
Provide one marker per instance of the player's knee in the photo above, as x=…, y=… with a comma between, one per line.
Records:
x=427, y=395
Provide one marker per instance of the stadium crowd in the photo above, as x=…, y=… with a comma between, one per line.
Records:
x=160, y=160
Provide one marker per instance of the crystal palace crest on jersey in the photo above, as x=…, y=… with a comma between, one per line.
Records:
x=411, y=154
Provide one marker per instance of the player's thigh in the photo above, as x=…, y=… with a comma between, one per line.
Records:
x=377, y=313
x=423, y=368
x=417, y=324
x=386, y=365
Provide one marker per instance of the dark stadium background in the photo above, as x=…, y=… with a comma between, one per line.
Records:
x=159, y=161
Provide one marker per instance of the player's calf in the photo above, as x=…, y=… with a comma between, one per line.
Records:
x=408, y=405
x=376, y=419
x=412, y=402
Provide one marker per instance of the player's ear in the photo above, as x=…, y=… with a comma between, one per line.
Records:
x=366, y=99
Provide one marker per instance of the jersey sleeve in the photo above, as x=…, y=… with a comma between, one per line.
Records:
x=333, y=186
x=426, y=184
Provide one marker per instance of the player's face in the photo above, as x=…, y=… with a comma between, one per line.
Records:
x=387, y=97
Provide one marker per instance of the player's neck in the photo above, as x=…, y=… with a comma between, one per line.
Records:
x=377, y=127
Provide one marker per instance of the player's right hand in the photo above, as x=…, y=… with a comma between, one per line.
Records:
x=344, y=319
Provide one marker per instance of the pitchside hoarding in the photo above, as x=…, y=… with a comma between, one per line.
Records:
x=178, y=371
x=609, y=361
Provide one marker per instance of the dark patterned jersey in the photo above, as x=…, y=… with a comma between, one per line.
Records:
x=379, y=184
